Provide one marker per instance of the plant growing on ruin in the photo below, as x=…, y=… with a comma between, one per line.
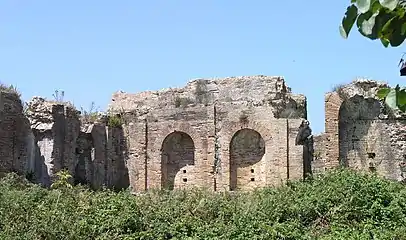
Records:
x=182, y=102
x=339, y=89
x=201, y=92
x=59, y=96
x=10, y=89
x=114, y=121
x=91, y=115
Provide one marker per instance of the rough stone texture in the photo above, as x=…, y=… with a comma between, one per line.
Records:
x=319, y=161
x=48, y=137
x=56, y=129
x=198, y=136
x=360, y=133
x=222, y=134
x=14, y=134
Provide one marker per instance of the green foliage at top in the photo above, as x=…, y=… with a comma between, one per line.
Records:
x=339, y=205
x=395, y=98
x=91, y=115
x=115, y=121
x=377, y=19
x=10, y=89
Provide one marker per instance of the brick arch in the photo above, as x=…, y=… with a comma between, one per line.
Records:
x=258, y=127
x=232, y=128
x=181, y=127
x=177, y=154
x=332, y=106
x=246, y=151
x=179, y=169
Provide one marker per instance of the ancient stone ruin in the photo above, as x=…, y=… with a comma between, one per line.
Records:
x=236, y=133
x=361, y=132
x=224, y=134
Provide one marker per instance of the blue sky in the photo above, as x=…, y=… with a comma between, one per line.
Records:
x=92, y=48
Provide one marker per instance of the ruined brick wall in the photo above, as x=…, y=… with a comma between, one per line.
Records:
x=49, y=136
x=320, y=154
x=360, y=133
x=210, y=116
x=223, y=134
x=14, y=134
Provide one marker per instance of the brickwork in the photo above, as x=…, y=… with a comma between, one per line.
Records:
x=242, y=131
x=247, y=165
x=360, y=133
x=235, y=133
x=14, y=134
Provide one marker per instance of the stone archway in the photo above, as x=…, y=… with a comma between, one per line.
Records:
x=247, y=149
x=178, y=152
x=354, y=120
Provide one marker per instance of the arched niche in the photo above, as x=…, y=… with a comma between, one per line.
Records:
x=247, y=149
x=178, y=152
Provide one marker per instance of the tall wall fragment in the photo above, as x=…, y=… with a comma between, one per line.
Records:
x=361, y=133
x=220, y=118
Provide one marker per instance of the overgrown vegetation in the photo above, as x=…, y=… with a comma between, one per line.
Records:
x=90, y=115
x=59, y=96
x=10, y=89
x=114, y=121
x=340, y=205
x=339, y=89
x=182, y=101
x=201, y=93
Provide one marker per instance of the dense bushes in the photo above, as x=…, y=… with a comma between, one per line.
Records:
x=340, y=205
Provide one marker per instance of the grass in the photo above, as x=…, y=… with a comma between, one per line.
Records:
x=10, y=89
x=339, y=205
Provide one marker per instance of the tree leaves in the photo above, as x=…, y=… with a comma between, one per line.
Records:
x=382, y=93
x=348, y=20
x=363, y=5
x=394, y=98
x=384, y=20
x=376, y=19
x=391, y=100
x=390, y=4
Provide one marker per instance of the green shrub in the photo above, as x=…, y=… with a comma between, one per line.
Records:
x=115, y=121
x=338, y=205
x=10, y=89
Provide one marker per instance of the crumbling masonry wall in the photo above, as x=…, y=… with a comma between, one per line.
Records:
x=361, y=133
x=48, y=136
x=224, y=134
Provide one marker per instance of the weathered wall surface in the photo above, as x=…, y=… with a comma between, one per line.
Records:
x=223, y=134
x=360, y=133
x=218, y=119
x=48, y=137
x=14, y=134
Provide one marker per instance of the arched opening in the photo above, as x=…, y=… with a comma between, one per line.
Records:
x=178, y=152
x=354, y=121
x=247, y=148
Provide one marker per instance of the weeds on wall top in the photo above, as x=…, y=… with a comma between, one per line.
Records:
x=91, y=115
x=201, y=92
x=339, y=89
x=115, y=121
x=9, y=89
